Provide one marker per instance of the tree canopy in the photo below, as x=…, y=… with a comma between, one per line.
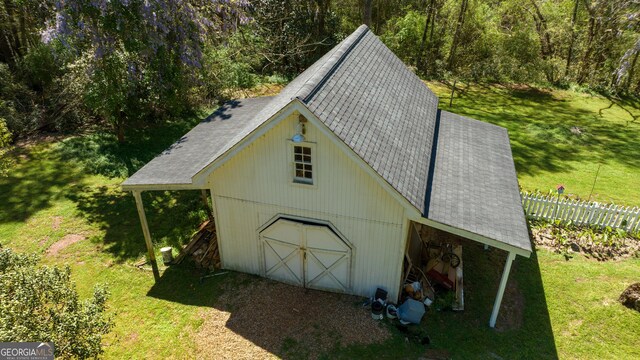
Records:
x=127, y=62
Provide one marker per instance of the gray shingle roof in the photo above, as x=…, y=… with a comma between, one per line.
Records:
x=474, y=185
x=379, y=108
x=177, y=164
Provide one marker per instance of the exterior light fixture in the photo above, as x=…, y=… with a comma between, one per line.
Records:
x=300, y=130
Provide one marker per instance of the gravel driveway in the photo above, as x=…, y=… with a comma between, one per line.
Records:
x=264, y=319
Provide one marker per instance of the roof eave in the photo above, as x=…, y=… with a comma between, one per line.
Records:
x=475, y=237
x=168, y=186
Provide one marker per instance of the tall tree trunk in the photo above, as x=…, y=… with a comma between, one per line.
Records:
x=322, y=7
x=120, y=126
x=423, y=41
x=585, y=63
x=366, y=14
x=434, y=13
x=546, y=46
x=456, y=34
x=631, y=71
x=572, y=39
x=13, y=37
x=379, y=15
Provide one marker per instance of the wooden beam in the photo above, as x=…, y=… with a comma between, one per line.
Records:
x=503, y=285
x=205, y=200
x=147, y=234
x=472, y=236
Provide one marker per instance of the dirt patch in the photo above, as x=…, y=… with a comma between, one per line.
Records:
x=55, y=222
x=631, y=297
x=511, y=310
x=435, y=354
x=39, y=138
x=267, y=319
x=43, y=241
x=574, y=241
x=64, y=242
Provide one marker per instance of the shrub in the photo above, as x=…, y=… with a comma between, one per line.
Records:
x=40, y=303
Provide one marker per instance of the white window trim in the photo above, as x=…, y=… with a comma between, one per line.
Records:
x=314, y=165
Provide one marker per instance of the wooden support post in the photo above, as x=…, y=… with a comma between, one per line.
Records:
x=207, y=206
x=147, y=234
x=503, y=285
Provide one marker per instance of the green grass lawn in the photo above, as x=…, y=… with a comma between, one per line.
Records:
x=547, y=152
x=569, y=308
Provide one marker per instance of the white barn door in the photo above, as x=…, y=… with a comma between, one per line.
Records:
x=327, y=261
x=306, y=255
x=283, y=256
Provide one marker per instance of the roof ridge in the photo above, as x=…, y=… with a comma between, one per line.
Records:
x=315, y=82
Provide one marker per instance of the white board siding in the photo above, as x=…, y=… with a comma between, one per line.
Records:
x=256, y=185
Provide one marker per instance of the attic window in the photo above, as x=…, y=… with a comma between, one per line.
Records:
x=303, y=169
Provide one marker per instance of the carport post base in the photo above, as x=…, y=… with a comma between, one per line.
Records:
x=147, y=234
x=503, y=285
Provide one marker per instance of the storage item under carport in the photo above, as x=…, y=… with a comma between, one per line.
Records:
x=411, y=311
x=376, y=310
x=392, y=311
x=167, y=255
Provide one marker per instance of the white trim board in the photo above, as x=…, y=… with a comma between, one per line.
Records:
x=473, y=236
x=154, y=187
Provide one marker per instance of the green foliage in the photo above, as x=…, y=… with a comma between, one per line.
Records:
x=40, y=303
x=229, y=67
x=18, y=104
x=293, y=34
x=404, y=35
x=39, y=67
x=40, y=93
x=5, y=147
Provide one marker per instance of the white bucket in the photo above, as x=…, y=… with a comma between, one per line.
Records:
x=167, y=254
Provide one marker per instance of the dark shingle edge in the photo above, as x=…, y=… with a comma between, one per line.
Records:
x=315, y=83
x=432, y=166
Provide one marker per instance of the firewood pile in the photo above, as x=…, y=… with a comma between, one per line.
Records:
x=203, y=248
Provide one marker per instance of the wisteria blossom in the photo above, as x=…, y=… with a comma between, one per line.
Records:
x=625, y=64
x=172, y=26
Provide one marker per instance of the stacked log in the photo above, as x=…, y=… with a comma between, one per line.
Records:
x=203, y=248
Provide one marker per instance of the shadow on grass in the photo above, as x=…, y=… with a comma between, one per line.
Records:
x=100, y=153
x=172, y=216
x=524, y=328
x=36, y=182
x=183, y=284
x=45, y=173
x=548, y=132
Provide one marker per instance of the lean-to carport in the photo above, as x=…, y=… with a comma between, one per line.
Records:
x=175, y=167
x=473, y=190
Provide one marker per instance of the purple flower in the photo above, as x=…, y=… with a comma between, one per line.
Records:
x=48, y=34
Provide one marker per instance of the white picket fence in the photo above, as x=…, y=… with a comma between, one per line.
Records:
x=537, y=206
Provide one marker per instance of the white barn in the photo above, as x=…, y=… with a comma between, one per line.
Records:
x=319, y=186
